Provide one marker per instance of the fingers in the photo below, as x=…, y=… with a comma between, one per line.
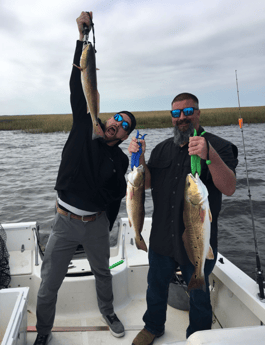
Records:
x=83, y=19
x=134, y=146
x=197, y=146
x=143, y=145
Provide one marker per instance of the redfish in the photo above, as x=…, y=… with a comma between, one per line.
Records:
x=89, y=84
x=135, y=197
x=197, y=219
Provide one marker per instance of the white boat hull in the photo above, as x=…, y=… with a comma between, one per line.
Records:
x=233, y=293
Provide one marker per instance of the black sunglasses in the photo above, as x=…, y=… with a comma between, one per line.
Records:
x=125, y=124
x=186, y=111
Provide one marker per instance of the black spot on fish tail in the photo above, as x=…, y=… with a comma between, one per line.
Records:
x=197, y=282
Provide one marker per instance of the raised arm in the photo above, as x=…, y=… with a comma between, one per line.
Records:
x=78, y=101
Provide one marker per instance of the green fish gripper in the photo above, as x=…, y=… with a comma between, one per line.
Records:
x=195, y=161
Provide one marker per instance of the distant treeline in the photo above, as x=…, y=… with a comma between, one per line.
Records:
x=145, y=119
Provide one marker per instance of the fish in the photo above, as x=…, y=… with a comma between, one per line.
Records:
x=89, y=84
x=197, y=219
x=135, y=197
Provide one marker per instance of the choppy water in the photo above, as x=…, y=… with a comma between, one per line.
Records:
x=29, y=165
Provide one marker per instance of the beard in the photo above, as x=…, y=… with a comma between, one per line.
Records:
x=182, y=137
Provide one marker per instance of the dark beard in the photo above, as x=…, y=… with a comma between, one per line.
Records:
x=180, y=137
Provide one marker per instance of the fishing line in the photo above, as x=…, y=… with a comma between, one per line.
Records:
x=259, y=272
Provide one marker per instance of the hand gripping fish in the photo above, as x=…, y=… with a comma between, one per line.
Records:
x=197, y=220
x=89, y=82
x=135, y=197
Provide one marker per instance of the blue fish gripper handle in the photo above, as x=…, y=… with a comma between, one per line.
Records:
x=136, y=155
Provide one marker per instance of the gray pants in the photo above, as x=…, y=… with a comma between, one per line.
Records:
x=66, y=235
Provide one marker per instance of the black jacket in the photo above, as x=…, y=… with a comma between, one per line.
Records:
x=90, y=169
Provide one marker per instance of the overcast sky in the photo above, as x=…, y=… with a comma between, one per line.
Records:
x=147, y=52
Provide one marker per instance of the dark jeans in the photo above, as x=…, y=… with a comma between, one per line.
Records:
x=160, y=273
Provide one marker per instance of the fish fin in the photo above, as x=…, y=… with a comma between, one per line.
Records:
x=131, y=193
x=81, y=69
x=202, y=214
x=210, y=255
x=140, y=243
x=185, y=240
x=210, y=215
x=197, y=282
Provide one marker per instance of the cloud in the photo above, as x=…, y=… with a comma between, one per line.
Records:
x=147, y=52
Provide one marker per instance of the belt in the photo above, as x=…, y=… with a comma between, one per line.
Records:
x=91, y=218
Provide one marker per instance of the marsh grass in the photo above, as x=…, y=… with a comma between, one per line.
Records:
x=145, y=119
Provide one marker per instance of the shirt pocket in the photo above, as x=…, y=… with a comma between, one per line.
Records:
x=159, y=173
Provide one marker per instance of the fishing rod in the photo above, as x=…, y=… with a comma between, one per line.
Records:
x=184, y=287
x=259, y=272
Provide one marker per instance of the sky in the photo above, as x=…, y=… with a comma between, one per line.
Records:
x=148, y=51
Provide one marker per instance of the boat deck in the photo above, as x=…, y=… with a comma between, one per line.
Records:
x=131, y=317
x=237, y=310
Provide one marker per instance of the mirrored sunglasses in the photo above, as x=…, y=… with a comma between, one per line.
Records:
x=125, y=124
x=186, y=111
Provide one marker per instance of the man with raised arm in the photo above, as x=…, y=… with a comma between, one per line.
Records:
x=90, y=185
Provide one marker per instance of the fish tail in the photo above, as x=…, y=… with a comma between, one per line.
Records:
x=95, y=136
x=197, y=282
x=140, y=243
x=97, y=131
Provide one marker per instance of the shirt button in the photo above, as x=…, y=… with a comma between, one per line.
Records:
x=178, y=164
x=172, y=235
x=173, y=206
x=174, y=192
x=172, y=221
x=176, y=177
x=114, y=170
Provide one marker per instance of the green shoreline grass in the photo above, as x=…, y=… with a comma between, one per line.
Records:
x=145, y=119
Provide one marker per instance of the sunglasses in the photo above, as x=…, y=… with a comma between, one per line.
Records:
x=186, y=111
x=125, y=124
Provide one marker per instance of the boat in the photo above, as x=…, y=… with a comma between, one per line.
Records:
x=238, y=312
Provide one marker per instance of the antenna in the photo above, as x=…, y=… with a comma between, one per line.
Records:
x=259, y=272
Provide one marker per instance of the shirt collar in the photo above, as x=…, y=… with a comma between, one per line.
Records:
x=201, y=129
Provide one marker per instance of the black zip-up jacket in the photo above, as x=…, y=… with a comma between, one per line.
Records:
x=90, y=169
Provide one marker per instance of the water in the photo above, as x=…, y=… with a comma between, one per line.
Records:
x=29, y=165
